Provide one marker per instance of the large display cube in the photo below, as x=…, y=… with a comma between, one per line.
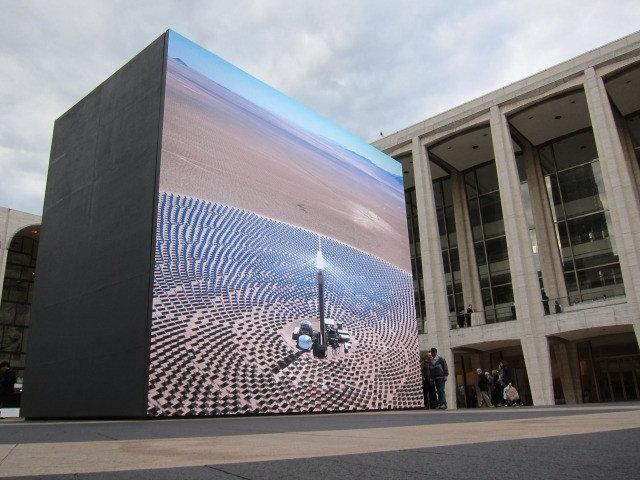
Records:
x=209, y=246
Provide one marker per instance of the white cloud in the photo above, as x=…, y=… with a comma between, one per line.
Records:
x=369, y=66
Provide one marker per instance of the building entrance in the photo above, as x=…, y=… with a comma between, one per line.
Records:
x=610, y=369
x=617, y=378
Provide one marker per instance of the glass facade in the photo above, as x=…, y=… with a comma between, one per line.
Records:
x=610, y=368
x=581, y=216
x=528, y=212
x=17, y=293
x=490, y=243
x=416, y=256
x=449, y=243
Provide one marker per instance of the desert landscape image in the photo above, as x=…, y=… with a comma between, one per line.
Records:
x=246, y=200
x=221, y=147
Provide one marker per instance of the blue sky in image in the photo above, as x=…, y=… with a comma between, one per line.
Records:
x=258, y=92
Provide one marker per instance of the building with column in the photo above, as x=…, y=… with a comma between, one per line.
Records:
x=524, y=211
x=19, y=235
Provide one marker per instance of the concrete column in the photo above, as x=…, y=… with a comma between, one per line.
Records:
x=567, y=359
x=524, y=276
x=619, y=184
x=548, y=250
x=466, y=251
x=435, y=289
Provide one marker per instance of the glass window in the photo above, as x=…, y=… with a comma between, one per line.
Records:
x=486, y=297
x=572, y=285
x=487, y=178
x=470, y=184
x=451, y=226
x=503, y=295
x=534, y=247
x=576, y=190
x=448, y=238
x=501, y=277
x=579, y=190
x=447, y=192
x=416, y=260
x=442, y=229
x=546, y=160
x=522, y=169
x=481, y=258
x=563, y=237
x=455, y=260
x=487, y=225
x=17, y=293
x=414, y=203
x=445, y=263
x=555, y=200
x=526, y=203
x=575, y=150
x=476, y=221
x=491, y=211
x=437, y=194
x=497, y=250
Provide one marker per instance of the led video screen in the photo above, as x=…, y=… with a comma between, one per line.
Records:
x=282, y=278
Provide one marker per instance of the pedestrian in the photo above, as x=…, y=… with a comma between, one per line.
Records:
x=440, y=373
x=468, y=315
x=545, y=303
x=505, y=380
x=496, y=394
x=558, y=307
x=7, y=383
x=483, y=389
x=428, y=383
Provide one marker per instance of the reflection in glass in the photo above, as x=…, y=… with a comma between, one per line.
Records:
x=416, y=260
x=442, y=189
x=491, y=212
x=583, y=227
x=485, y=212
x=17, y=292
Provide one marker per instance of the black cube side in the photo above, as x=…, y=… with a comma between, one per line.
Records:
x=88, y=342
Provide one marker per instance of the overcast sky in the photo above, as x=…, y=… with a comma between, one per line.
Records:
x=370, y=66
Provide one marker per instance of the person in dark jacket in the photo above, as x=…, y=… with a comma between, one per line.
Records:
x=440, y=373
x=468, y=315
x=483, y=387
x=428, y=383
x=545, y=302
x=505, y=379
x=496, y=394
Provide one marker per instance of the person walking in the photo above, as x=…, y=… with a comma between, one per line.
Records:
x=440, y=374
x=483, y=389
x=496, y=394
x=505, y=379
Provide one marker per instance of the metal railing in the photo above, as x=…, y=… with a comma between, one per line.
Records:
x=499, y=314
x=551, y=306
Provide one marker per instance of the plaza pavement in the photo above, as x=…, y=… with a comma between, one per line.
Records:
x=594, y=441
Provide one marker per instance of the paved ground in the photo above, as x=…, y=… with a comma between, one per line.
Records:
x=581, y=442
